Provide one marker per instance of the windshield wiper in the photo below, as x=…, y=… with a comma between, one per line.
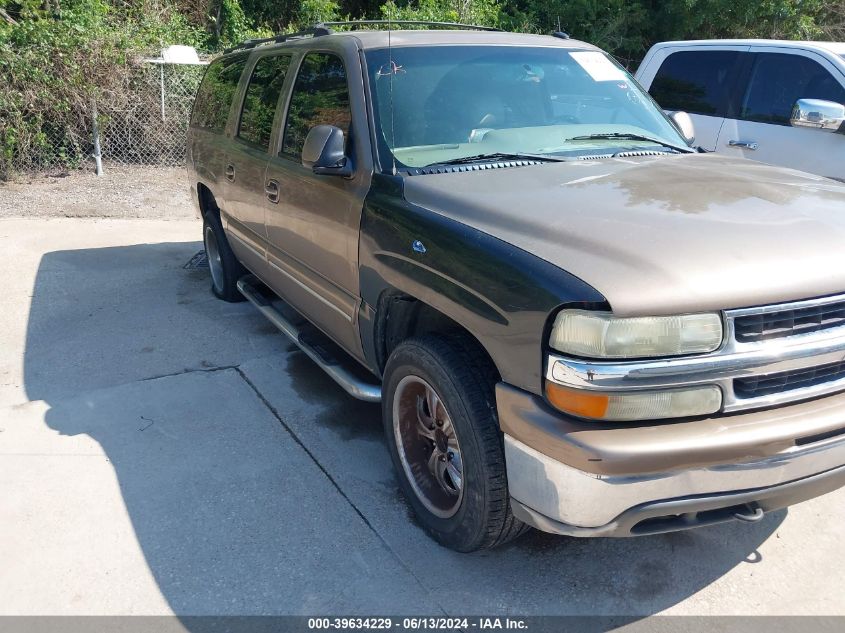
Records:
x=629, y=137
x=498, y=156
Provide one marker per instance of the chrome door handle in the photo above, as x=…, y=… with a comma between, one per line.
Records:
x=230, y=172
x=272, y=191
x=743, y=144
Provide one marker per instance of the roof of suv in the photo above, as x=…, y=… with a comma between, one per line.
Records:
x=373, y=39
x=379, y=38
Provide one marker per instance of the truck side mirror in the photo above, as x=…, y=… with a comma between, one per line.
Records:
x=818, y=114
x=324, y=152
x=683, y=122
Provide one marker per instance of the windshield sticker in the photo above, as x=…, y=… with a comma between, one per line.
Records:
x=391, y=68
x=599, y=67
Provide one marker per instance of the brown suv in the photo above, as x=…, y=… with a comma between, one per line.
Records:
x=573, y=319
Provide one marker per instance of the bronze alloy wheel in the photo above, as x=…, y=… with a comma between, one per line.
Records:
x=428, y=446
x=215, y=262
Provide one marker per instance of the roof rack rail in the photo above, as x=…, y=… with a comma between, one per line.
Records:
x=324, y=28
x=315, y=31
x=451, y=25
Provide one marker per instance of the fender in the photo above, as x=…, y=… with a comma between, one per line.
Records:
x=501, y=294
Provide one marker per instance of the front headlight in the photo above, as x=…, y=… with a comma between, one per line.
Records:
x=601, y=335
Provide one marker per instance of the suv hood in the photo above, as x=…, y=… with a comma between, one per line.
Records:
x=661, y=235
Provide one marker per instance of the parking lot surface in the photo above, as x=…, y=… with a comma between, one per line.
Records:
x=164, y=452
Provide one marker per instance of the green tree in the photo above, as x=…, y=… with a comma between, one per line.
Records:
x=481, y=12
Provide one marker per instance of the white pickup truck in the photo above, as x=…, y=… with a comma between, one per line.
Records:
x=779, y=102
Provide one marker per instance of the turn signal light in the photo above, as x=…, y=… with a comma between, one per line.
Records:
x=626, y=406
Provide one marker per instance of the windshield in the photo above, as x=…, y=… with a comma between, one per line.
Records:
x=445, y=103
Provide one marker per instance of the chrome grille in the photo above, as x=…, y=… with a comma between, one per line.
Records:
x=768, y=384
x=804, y=320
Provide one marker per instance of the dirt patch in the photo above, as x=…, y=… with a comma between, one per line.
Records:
x=121, y=192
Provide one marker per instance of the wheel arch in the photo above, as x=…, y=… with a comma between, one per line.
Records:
x=206, y=200
x=400, y=316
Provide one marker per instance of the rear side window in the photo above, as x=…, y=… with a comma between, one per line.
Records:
x=695, y=81
x=320, y=97
x=261, y=98
x=214, y=98
x=778, y=80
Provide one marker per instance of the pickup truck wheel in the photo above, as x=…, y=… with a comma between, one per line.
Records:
x=225, y=268
x=445, y=442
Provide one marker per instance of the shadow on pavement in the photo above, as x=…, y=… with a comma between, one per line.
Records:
x=231, y=515
x=537, y=574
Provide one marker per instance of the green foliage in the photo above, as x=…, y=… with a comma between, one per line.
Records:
x=56, y=55
x=481, y=12
x=231, y=24
x=777, y=19
x=627, y=28
x=313, y=11
x=53, y=62
x=619, y=26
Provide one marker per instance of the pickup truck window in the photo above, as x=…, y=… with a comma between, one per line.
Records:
x=262, y=96
x=695, y=81
x=439, y=104
x=214, y=98
x=320, y=97
x=779, y=80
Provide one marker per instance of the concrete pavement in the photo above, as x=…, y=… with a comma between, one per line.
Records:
x=164, y=452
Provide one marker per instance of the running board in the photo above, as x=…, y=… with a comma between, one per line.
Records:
x=250, y=288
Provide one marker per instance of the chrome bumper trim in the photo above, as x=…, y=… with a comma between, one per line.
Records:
x=732, y=360
x=576, y=498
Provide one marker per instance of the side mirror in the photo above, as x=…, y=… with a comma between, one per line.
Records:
x=818, y=114
x=324, y=152
x=683, y=122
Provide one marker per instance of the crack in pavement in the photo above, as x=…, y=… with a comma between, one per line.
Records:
x=187, y=370
x=337, y=487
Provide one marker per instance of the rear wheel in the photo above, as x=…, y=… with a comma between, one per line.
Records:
x=444, y=439
x=224, y=267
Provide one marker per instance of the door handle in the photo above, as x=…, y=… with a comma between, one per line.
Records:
x=230, y=172
x=272, y=191
x=743, y=144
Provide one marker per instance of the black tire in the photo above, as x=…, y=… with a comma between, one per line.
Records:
x=224, y=267
x=463, y=378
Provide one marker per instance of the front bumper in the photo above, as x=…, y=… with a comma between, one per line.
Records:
x=588, y=479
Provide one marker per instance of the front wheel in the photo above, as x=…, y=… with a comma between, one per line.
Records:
x=444, y=439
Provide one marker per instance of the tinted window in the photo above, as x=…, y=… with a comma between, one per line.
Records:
x=261, y=98
x=695, y=81
x=320, y=97
x=779, y=80
x=214, y=98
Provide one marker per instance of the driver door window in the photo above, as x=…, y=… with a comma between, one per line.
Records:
x=762, y=130
x=320, y=97
x=779, y=80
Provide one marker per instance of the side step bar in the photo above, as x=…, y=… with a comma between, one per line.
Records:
x=250, y=288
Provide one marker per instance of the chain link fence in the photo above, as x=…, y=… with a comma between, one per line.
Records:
x=149, y=124
x=144, y=122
